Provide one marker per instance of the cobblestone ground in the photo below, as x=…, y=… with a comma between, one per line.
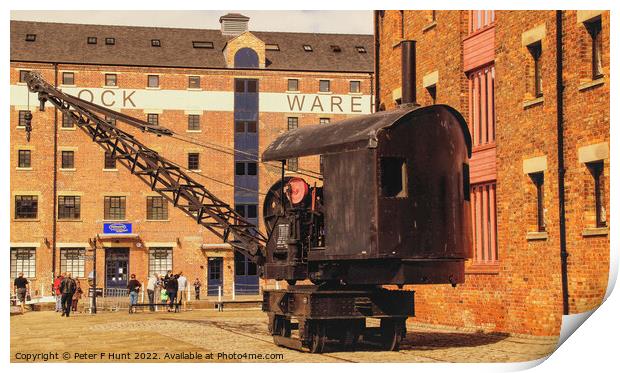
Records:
x=239, y=331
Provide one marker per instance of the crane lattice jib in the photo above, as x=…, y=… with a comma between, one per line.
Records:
x=163, y=176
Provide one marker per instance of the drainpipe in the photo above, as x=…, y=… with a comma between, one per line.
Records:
x=561, y=170
x=377, y=45
x=55, y=189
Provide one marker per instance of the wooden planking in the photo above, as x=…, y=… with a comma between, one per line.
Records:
x=479, y=49
x=482, y=166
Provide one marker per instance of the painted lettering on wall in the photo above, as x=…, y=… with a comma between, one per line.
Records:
x=321, y=103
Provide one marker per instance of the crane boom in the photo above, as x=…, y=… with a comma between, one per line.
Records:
x=161, y=175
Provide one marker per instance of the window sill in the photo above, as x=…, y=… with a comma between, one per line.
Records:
x=70, y=220
x=67, y=128
x=153, y=88
x=297, y=92
x=533, y=102
x=194, y=89
x=591, y=84
x=67, y=86
x=325, y=93
x=195, y=171
x=110, y=170
x=355, y=93
x=114, y=220
x=109, y=86
x=429, y=26
x=482, y=269
x=22, y=83
x=193, y=131
x=26, y=220
x=20, y=128
x=156, y=220
x=68, y=169
x=593, y=232
x=23, y=168
x=536, y=236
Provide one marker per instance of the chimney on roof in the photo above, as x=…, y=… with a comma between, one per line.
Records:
x=234, y=24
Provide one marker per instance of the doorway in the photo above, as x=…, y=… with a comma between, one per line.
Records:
x=215, y=276
x=116, y=267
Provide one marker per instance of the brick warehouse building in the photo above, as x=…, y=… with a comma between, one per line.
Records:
x=500, y=69
x=227, y=94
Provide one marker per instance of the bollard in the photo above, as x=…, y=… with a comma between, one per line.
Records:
x=277, y=285
x=142, y=297
x=234, y=289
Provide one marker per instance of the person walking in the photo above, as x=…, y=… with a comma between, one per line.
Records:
x=150, y=290
x=197, y=286
x=134, y=287
x=21, y=288
x=67, y=290
x=57, y=293
x=77, y=296
x=183, y=285
x=172, y=286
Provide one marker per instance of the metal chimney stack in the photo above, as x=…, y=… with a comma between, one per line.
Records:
x=408, y=97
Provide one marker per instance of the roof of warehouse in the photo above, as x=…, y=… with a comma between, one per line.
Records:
x=67, y=43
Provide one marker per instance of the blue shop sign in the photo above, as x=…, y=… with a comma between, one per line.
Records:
x=117, y=228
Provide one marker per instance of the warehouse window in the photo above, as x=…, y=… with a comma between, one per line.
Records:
x=393, y=177
x=31, y=37
x=26, y=207
x=67, y=160
x=245, y=126
x=21, y=122
x=68, y=207
x=594, y=28
x=109, y=162
x=193, y=82
x=293, y=85
x=110, y=121
x=155, y=43
x=68, y=78
x=153, y=81
x=67, y=122
x=246, y=58
x=249, y=211
x=479, y=19
x=156, y=208
x=432, y=92
x=535, y=50
x=324, y=85
x=193, y=161
x=360, y=49
x=153, y=119
x=307, y=48
x=482, y=105
x=538, y=178
x=72, y=261
x=596, y=169
x=293, y=123
x=324, y=120
x=292, y=164
x=193, y=122
x=114, y=207
x=91, y=40
x=110, y=80
x=202, y=44
x=245, y=168
x=110, y=41
x=22, y=75
x=23, y=159
x=23, y=260
x=160, y=260
x=354, y=86
x=484, y=223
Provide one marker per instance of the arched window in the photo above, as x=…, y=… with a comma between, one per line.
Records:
x=246, y=58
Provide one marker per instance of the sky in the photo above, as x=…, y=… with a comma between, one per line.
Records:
x=320, y=21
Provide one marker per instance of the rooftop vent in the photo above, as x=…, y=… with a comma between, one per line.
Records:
x=272, y=47
x=31, y=37
x=360, y=49
x=155, y=43
x=91, y=40
x=307, y=48
x=335, y=48
x=234, y=24
x=202, y=44
x=110, y=41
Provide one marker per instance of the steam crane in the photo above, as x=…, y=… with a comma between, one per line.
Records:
x=393, y=210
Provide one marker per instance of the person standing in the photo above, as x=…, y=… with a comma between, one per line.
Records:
x=197, y=286
x=57, y=292
x=150, y=290
x=183, y=285
x=134, y=287
x=21, y=288
x=172, y=286
x=77, y=296
x=67, y=290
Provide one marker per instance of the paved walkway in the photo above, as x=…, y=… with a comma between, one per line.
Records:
x=148, y=337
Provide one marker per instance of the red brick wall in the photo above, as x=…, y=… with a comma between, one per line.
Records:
x=523, y=294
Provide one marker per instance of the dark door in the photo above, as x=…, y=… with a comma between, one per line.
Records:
x=215, y=275
x=246, y=277
x=116, y=267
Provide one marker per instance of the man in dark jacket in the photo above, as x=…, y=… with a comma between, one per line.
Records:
x=172, y=286
x=67, y=289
